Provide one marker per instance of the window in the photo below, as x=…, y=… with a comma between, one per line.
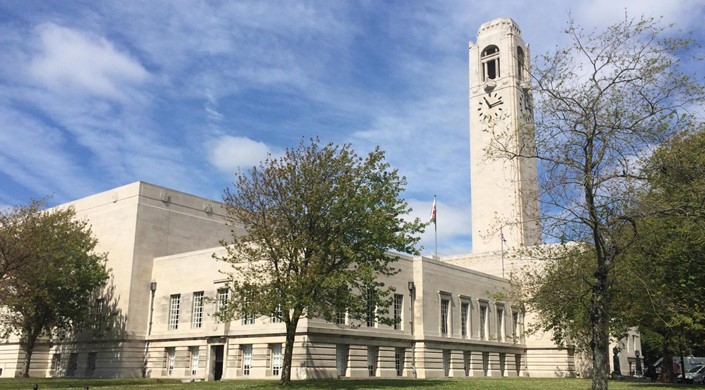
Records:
x=170, y=360
x=197, y=311
x=502, y=364
x=483, y=321
x=520, y=63
x=467, y=363
x=221, y=301
x=99, y=309
x=194, y=352
x=340, y=317
x=490, y=63
x=445, y=308
x=341, y=359
x=174, y=303
x=90, y=363
x=249, y=317
x=277, y=314
x=371, y=308
x=517, y=364
x=464, y=317
x=73, y=364
x=500, y=323
x=276, y=359
x=56, y=362
x=372, y=353
x=446, y=362
x=399, y=360
x=515, y=326
x=246, y=359
x=398, y=306
x=486, y=363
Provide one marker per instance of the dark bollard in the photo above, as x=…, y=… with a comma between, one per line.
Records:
x=36, y=386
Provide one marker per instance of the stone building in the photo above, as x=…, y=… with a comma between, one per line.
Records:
x=155, y=318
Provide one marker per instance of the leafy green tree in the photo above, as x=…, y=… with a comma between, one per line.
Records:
x=55, y=275
x=602, y=103
x=319, y=222
x=664, y=264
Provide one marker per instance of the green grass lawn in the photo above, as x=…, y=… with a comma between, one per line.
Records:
x=420, y=384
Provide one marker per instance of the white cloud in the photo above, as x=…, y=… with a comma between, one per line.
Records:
x=228, y=153
x=71, y=61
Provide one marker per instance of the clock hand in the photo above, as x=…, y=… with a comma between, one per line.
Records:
x=487, y=102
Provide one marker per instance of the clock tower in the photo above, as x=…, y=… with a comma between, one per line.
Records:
x=504, y=191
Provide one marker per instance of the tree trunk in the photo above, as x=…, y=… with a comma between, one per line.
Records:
x=600, y=326
x=667, y=362
x=28, y=349
x=289, y=348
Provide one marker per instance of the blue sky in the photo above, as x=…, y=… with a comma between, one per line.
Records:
x=97, y=94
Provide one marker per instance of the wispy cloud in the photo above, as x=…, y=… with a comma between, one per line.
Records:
x=75, y=62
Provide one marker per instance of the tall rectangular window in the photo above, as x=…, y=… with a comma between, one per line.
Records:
x=340, y=316
x=56, y=362
x=483, y=321
x=73, y=364
x=246, y=359
x=399, y=360
x=277, y=315
x=515, y=326
x=371, y=308
x=195, y=355
x=341, y=359
x=197, y=310
x=221, y=299
x=464, y=323
x=445, y=309
x=174, y=304
x=170, y=354
x=446, y=362
x=249, y=317
x=276, y=359
x=90, y=363
x=500, y=323
x=372, y=354
x=398, y=310
x=467, y=362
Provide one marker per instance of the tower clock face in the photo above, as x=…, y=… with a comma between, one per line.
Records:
x=490, y=107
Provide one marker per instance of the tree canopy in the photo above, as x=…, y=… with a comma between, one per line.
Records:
x=603, y=102
x=319, y=223
x=51, y=271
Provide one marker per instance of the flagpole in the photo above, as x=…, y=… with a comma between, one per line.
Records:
x=435, y=225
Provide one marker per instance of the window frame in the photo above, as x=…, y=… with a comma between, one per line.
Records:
x=174, y=309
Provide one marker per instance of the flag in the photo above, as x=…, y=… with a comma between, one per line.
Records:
x=433, y=212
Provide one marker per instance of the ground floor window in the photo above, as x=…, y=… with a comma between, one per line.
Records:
x=341, y=359
x=502, y=363
x=446, y=362
x=372, y=353
x=73, y=364
x=486, y=363
x=56, y=362
x=399, y=361
x=170, y=360
x=90, y=363
x=467, y=363
x=246, y=359
x=276, y=359
x=195, y=354
x=517, y=362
